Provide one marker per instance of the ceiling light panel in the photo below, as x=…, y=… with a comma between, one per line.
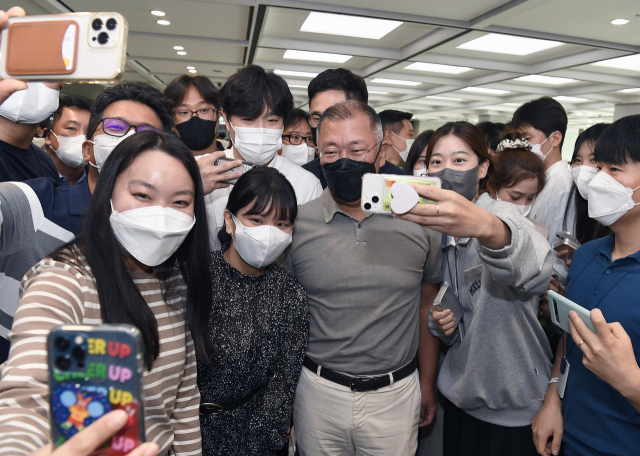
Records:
x=508, y=44
x=316, y=56
x=378, y=93
x=437, y=68
x=163, y=22
x=539, y=79
x=620, y=21
x=395, y=82
x=158, y=13
x=443, y=98
x=296, y=86
x=485, y=90
x=301, y=74
x=630, y=90
x=343, y=25
x=629, y=62
x=570, y=99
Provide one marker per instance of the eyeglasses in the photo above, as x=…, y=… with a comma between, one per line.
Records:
x=118, y=127
x=313, y=120
x=297, y=139
x=355, y=153
x=182, y=115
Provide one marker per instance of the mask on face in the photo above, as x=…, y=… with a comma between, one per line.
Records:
x=344, y=178
x=420, y=172
x=196, y=133
x=257, y=145
x=299, y=154
x=404, y=153
x=537, y=149
x=32, y=105
x=70, y=150
x=103, y=145
x=464, y=183
x=151, y=234
x=259, y=246
x=609, y=199
x=582, y=175
x=523, y=209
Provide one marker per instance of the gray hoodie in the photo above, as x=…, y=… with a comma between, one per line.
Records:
x=498, y=365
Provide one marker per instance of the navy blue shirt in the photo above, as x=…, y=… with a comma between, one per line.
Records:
x=315, y=168
x=597, y=418
x=19, y=165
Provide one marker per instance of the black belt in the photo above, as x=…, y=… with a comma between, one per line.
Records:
x=362, y=384
x=209, y=408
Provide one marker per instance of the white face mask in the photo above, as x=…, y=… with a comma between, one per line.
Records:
x=420, y=172
x=103, y=145
x=299, y=154
x=537, y=149
x=151, y=234
x=31, y=105
x=582, y=175
x=38, y=142
x=522, y=208
x=404, y=153
x=609, y=199
x=259, y=246
x=70, y=150
x=257, y=145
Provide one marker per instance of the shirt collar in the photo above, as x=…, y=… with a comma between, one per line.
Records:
x=606, y=248
x=557, y=167
x=330, y=208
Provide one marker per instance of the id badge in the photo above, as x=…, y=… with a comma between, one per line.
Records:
x=564, y=374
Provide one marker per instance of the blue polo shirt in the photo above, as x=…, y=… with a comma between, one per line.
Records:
x=597, y=418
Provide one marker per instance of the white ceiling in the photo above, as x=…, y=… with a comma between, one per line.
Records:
x=221, y=36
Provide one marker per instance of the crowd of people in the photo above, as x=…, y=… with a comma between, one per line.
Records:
x=272, y=307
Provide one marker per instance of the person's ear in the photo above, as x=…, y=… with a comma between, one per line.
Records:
x=229, y=225
x=483, y=169
x=47, y=138
x=87, y=152
x=555, y=139
x=382, y=156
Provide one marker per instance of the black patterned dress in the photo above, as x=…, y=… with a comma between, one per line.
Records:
x=260, y=327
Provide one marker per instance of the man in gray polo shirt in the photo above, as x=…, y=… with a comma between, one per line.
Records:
x=370, y=281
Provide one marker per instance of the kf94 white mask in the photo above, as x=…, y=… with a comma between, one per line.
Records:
x=151, y=234
x=257, y=145
x=420, y=172
x=259, y=246
x=582, y=176
x=537, y=149
x=69, y=150
x=609, y=199
x=404, y=153
x=31, y=105
x=103, y=145
x=522, y=208
x=299, y=154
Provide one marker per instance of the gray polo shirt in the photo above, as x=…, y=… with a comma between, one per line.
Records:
x=363, y=285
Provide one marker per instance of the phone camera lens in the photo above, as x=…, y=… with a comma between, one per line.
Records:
x=63, y=362
x=103, y=38
x=96, y=24
x=367, y=206
x=375, y=199
x=111, y=24
x=62, y=343
x=78, y=353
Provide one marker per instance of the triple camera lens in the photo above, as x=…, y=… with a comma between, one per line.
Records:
x=103, y=37
x=62, y=343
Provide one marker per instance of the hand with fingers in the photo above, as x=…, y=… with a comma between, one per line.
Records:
x=608, y=354
x=9, y=86
x=213, y=176
x=547, y=425
x=94, y=435
x=428, y=405
x=458, y=217
x=445, y=320
x=565, y=255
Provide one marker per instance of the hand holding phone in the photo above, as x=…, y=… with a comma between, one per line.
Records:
x=215, y=173
x=243, y=168
x=559, y=307
x=377, y=192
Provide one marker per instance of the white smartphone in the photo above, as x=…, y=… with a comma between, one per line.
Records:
x=376, y=191
x=77, y=47
x=559, y=307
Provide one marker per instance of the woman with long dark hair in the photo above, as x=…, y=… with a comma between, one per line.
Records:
x=416, y=160
x=141, y=259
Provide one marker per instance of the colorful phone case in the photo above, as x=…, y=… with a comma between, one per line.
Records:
x=92, y=371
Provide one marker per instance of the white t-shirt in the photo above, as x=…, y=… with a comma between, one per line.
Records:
x=306, y=186
x=550, y=208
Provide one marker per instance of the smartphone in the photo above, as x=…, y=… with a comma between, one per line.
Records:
x=559, y=307
x=246, y=166
x=376, y=191
x=567, y=242
x=92, y=371
x=76, y=47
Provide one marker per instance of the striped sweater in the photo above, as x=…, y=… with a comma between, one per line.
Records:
x=54, y=293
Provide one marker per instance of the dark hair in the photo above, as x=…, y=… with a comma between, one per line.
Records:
x=620, y=142
x=474, y=138
x=131, y=91
x=71, y=101
x=341, y=79
x=491, y=132
x=515, y=165
x=177, y=89
x=392, y=120
x=586, y=228
x=295, y=116
x=120, y=299
x=420, y=144
x=349, y=109
x=544, y=114
x=268, y=192
x=251, y=89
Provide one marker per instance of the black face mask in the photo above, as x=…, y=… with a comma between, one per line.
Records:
x=197, y=134
x=464, y=183
x=344, y=178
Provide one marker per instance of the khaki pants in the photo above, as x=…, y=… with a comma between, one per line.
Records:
x=332, y=420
